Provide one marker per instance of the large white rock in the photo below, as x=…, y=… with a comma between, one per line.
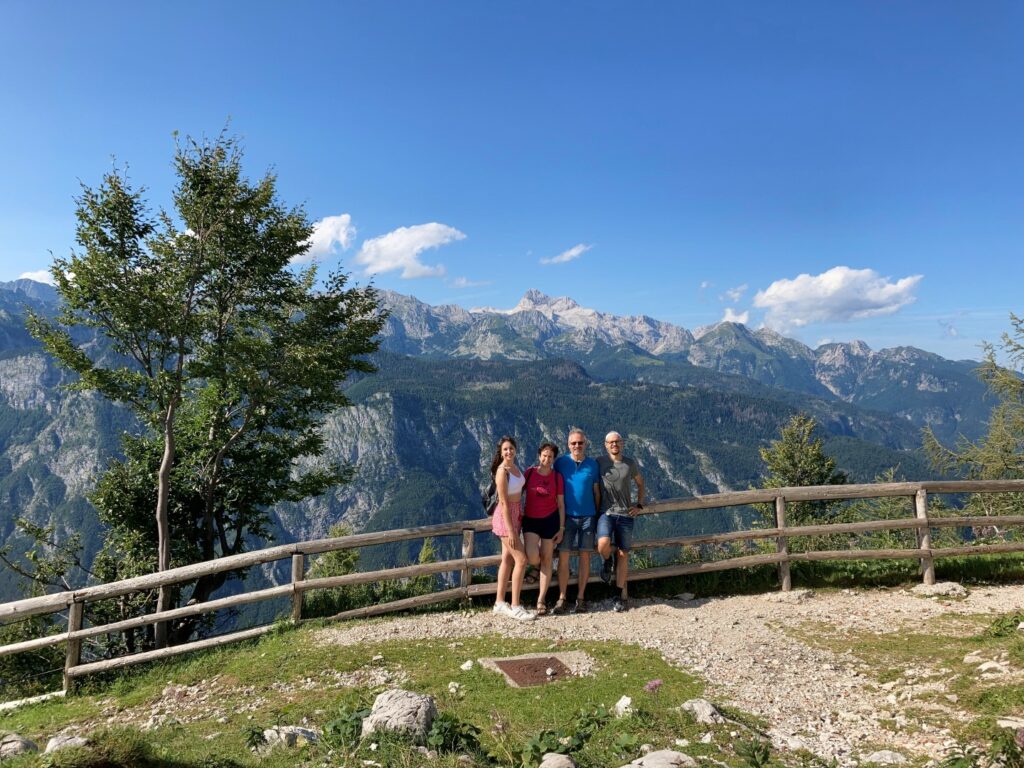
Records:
x=403, y=712
x=64, y=742
x=942, y=589
x=12, y=744
x=703, y=711
x=663, y=758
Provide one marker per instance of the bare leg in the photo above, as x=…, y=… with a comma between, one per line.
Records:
x=563, y=574
x=533, y=545
x=584, y=574
x=604, y=547
x=622, y=571
x=518, y=571
x=547, y=550
x=504, y=568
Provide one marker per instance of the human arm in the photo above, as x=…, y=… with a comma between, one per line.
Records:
x=560, y=498
x=639, y=480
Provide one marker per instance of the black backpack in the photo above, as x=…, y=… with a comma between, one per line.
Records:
x=489, y=498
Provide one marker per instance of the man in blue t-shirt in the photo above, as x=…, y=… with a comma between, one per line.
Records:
x=582, y=498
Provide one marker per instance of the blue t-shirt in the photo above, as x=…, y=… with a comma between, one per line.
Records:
x=579, y=485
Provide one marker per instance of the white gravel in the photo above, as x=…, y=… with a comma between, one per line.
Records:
x=811, y=698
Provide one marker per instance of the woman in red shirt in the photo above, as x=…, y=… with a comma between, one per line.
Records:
x=543, y=516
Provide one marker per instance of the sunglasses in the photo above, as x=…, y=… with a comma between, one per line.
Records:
x=578, y=442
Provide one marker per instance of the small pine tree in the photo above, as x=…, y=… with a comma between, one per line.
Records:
x=999, y=455
x=798, y=458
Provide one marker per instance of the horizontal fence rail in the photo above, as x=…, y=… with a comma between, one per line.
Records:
x=75, y=601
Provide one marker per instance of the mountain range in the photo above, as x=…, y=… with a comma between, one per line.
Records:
x=695, y=408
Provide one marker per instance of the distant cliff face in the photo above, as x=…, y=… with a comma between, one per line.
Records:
x=694, y=408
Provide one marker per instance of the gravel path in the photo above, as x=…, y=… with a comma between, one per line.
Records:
x=811, y=698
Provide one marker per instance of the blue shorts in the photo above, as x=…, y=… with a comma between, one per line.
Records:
x=618, y=528
x=579, y=533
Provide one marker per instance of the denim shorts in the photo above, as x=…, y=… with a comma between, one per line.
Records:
x=618, y=528
x=579, y=533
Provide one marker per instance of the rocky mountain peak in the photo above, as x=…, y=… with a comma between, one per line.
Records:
x=541, y=302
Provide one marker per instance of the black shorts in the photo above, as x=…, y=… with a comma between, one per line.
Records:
x=545, y=527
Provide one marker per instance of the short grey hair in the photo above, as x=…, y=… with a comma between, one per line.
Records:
x=610, y=435
x=576, y=431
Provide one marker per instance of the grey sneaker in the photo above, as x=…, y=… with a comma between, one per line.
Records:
x=559, y=608
x=620, y=604
x=580, y=607
x=606, y=570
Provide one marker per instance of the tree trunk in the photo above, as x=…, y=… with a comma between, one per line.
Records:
x=163, y=525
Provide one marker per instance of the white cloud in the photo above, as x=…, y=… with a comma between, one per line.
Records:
x=40, y=276
x=331, y=235
x=705, y=284
x=401, y=249
x=465, y=282
x=837, y=296
x=948, y=329
x=734, y=294
x=731, y=316
x=573, y=253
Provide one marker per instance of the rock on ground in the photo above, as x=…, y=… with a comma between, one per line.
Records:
x=402, y=712
x=885, y=757
x=555, y=760
x=663, y=758
x=942, y=589
x=66, y=741
x=12, y=744
x=703, y=711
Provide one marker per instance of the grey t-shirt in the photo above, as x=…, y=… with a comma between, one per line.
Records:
x=617, y=484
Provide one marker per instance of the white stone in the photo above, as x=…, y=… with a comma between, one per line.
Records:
x=685, y=597
x=703, y=711
x=401, y=712
x=12, y=744
x=466, y=665
x=885, y=757
x=555, y=760
x=974, y=657
x=287, y=736
x=663, y=758
x=942, y=589
x=793, y=596
x=707, y=738
x=993, y=667
x=64, y=742
x=1010, y=722
x=623, y=707
x=682, y=742
x=453, y=687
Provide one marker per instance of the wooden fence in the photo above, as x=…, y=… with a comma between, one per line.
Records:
x=74, y=602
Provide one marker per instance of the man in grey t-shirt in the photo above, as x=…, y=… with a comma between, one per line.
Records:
x=618, y=473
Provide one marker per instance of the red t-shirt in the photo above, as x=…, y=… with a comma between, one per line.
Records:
x=541, y=493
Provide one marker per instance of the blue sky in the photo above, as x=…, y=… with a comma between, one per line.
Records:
x=834, y=170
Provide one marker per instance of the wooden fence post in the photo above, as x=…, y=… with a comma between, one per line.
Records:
x=466, y=577
x=924, y=537
x=73, y=658
x=782, y=545
x=298, y=574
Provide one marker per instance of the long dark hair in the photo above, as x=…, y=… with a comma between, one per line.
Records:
x=496, y=461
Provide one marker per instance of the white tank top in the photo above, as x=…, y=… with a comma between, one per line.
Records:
x=515, y=484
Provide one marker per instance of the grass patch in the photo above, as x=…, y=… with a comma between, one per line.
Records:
x=269, y=677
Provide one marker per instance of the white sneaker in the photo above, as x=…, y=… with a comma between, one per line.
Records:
x=502, y=609
x=521, y=614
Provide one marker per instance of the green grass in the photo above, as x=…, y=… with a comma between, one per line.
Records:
x=507, y=718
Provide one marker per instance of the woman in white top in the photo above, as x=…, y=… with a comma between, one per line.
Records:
x=507, y=525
